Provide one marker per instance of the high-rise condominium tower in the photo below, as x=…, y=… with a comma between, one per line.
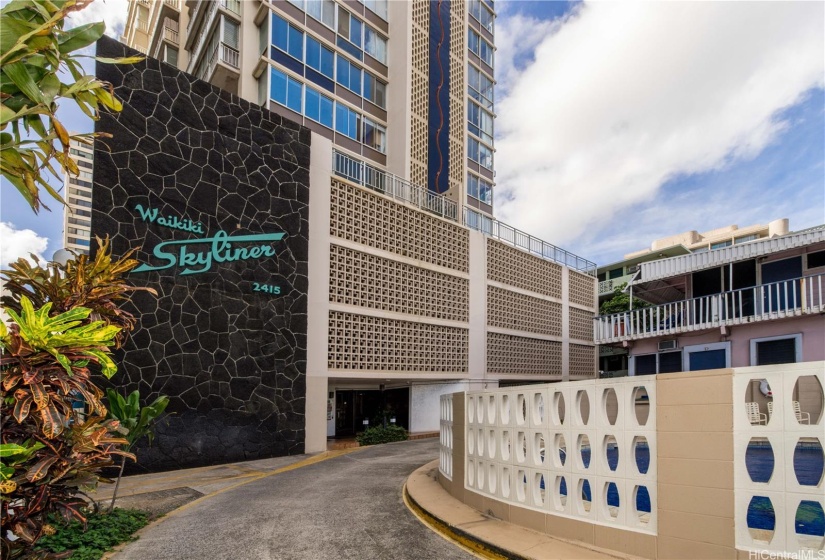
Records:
x=77, y=191
x=406, y=86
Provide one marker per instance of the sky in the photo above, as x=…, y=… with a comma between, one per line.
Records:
x=622, y=122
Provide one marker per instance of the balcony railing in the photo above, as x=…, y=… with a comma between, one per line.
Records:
x=171, y=35
x=517, y=238
x=610, y=285
x=228, y=56
x=788, y=298
x=391, y=185
x=173, y=3
x=142, y=25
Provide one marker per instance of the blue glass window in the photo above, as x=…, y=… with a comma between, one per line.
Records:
x=280, y=32
x=294, y=95
x=375, y=90
x=348, y=75
x=320, y=58
x=296, y=43
x=287, y=38
x=346, y=121
x=278, y=87
x=318, y=107
x=286, y=91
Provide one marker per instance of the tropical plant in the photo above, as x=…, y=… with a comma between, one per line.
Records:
x=620, y=302
x=51, y=349
x=139, y=421
x=382, y=434
x=36, y=50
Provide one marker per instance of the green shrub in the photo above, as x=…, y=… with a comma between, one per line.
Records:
x=104, y=531
x=380, y=434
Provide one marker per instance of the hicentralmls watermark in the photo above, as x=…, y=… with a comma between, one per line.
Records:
x=799, y=555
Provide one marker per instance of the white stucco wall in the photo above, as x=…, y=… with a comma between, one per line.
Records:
x=424, y=402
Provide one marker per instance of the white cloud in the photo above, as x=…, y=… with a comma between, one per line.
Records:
x=622, y=97
x=111, y=12
x=16, y=243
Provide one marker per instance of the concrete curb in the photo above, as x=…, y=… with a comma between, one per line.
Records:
x=485, y=536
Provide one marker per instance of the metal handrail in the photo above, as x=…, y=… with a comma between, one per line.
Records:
x=775, y=300
x=517, y=238
x=391, y=185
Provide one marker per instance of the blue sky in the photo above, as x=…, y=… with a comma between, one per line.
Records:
x=622, y=123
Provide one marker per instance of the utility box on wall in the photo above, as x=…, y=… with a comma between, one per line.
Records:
x=213, y=191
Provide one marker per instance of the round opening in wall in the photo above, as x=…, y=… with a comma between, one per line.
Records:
x=471, y=409
x=611, y=452
x=539, y=451
x=506, y=445
x=492, y=481
x=521, y=447
x=807, y=400
x=584, y=407
x=641, y=503
x=491, y=409
x=761, y=519
x=539, y=490
x=611, y=406
x=491, y=444
x=561, y=450
x=480, y=443
x=505, y=409
x=538, y=409
x=521, y=410
x=641, y=452
x=809, y=525
x=585, y=497
x=641, y=405
x=561, y=492
x=480, y=475
x=808, y=461
x=505, y=482
x=521, y=486
x=584, y=451
x=759, y=459
x=558, y=406
x=612, y=500
x=471, y=441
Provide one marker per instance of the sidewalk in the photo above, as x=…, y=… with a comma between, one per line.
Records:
x=160, y=493
x=487, y=535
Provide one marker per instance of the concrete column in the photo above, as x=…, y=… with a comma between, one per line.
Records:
x=565, y=324
x=478, y=310
x=320, y=171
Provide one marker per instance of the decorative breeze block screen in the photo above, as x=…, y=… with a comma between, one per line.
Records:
x=582, y=290
x=366, y=343
x=365, y=280
x=514, y=267
x=521, y=355
x=369, y=219
x=779, y=484
x=512, y=310
x=445, y=448
x=583, y=450
x=582, y=360
x=581, y=324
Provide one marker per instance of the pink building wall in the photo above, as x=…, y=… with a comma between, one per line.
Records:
x=811, y=327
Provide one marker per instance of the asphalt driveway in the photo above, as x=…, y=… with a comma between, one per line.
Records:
x=349, y=507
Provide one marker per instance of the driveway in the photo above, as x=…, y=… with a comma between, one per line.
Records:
x=349, y=507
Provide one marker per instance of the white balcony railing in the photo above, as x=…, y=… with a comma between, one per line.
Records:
x=175, y=4
x=142, y=25
x=391, y=185
x=533, y=245
x=800, y=296
x=610, y=285
x=171, y=35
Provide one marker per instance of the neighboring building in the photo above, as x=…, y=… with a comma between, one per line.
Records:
x=77, y=191
x=748, y=304
x=613, y=361
x=417, y=102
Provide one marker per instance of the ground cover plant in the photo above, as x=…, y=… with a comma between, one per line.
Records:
x=103, y=531
x=381, y=434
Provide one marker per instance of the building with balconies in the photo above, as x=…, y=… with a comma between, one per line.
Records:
x=613, y=361
x=743, y=304
x=77, y=191
x=406, y=86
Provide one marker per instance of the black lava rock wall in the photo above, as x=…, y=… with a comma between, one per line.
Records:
x=232, y=359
